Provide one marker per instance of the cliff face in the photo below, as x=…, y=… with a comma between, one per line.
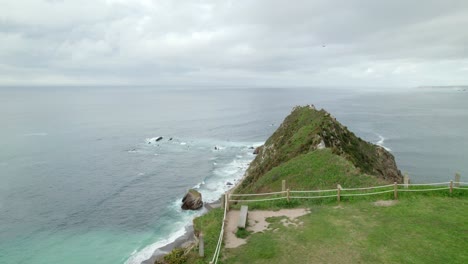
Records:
x=307, y=129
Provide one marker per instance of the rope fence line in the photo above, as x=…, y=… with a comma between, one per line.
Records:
x=339, y=191
x=313, y=191
x=422, y=184
x=311, y=197
x=221, y=234
x=256, y=194
x=367, y=188
x=362, y=194
x=260, y=200
x=424, y=190
x=285, y=194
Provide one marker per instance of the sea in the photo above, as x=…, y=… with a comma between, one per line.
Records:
x=84, y=177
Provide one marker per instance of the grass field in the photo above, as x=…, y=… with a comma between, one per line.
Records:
x=418, y=229
x=319, y=169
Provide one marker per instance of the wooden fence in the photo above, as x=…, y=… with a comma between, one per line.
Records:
x=339, y=192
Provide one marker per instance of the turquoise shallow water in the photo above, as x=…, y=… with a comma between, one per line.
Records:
x=83, y=181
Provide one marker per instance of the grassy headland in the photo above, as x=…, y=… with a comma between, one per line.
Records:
x=306, y=130
x=311, y=151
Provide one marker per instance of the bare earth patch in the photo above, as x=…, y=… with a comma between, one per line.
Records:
x=257, y=223
x=385, y=202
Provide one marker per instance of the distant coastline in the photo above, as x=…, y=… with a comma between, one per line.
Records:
x=463, y=87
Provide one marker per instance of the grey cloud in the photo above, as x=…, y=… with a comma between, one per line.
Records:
x=271, y=42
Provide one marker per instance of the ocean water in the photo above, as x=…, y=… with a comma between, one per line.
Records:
x=82, y=179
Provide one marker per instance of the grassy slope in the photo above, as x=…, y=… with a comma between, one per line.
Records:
x=417, y=230
x=319, y=169
x=210, y=225
x=295, y=136
x=299, y=134
x=411, y=231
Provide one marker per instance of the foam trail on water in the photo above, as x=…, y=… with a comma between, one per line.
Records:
x=381, y=142
x=138, y=257
x=230, y=170
x=180, y=226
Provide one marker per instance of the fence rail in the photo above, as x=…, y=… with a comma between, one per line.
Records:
x=350, y=192
x=285, y=194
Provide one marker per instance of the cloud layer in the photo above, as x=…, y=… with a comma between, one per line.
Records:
x=274, y=43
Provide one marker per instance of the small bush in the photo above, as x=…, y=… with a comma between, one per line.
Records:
x=242, y=233
x=176, y=256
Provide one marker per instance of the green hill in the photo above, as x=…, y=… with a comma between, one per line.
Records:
x=312, y=150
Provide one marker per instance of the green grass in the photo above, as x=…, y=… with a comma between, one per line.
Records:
x=301, y=132
x=242, y=233
x=419, y=229
x=319, y=169
x=210, y=225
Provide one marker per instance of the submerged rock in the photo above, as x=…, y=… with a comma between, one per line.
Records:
x=192, y=200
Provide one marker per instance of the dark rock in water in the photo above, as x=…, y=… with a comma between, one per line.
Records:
x=149, y=142
x=192, y=200
x=229, y=183
x=258, y=150
x=170, y=139
x=215, y=148
x=251, y=148
x=158, y=139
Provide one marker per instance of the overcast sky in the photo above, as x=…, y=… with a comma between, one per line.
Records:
x=272, y=43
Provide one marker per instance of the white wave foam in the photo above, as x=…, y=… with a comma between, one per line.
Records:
x=153, y=139
x=138, y=257
x=231, y=172
x=180, y=224
x=197, y=186
x=381, y=142
x=211, y=188
x=258, y=144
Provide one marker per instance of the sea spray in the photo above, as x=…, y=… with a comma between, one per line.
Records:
x=381, y=142
x=212, y=187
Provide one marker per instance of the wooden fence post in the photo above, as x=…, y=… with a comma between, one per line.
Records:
x=201, y=245
x=287, y=194
x=451, y=187
x=406, y=180
x=457, y=179
x=283, y=185
x=395, y=191
x=338, y=195
x=226, y=200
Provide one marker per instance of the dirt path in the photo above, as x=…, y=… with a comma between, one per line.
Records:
x=257, y=223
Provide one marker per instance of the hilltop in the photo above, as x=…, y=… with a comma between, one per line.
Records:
x=311, y=149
